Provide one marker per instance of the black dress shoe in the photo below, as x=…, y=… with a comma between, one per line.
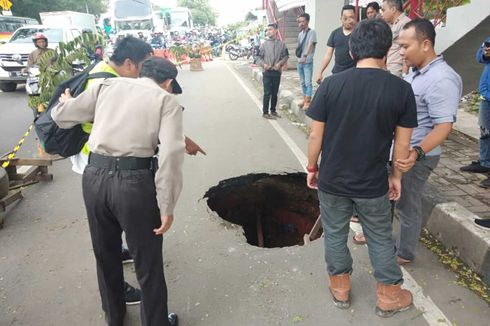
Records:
x=173, y=319
x=475, y=167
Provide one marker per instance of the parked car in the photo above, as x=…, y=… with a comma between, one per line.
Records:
x=9, y=24
x=14, y=53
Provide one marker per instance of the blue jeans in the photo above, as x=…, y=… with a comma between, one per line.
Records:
x=305, y=71
x=485, y=133
x=375, y=218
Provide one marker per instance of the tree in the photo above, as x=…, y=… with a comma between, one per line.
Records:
x=32, y=8
x=202, y=12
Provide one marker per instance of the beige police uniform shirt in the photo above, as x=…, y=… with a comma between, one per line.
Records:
x=131, y=117
x=394, y=63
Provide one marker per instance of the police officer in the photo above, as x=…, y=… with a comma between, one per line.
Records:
x=121, y=192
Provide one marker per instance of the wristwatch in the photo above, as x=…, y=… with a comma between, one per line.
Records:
x=420, y=152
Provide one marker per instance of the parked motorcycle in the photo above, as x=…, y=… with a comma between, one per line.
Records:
x=229, y=46
x=236, y=52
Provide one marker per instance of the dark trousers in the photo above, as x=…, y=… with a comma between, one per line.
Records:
x=271, y=83
x=409, y=206
x=119, y=201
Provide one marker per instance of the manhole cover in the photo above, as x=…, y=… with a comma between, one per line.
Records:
x=274, y=210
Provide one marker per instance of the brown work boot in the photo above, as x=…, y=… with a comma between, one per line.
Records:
x=302, y=104
x=392, y=299
x=340, y=290
x=306, y=106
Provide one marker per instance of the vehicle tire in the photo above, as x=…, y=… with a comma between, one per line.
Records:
x=233, y=56
x=8, y=87
x=4, y=183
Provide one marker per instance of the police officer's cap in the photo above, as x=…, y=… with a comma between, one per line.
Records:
x=161, y=69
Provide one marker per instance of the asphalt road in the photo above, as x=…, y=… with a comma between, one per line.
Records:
x=47, y=269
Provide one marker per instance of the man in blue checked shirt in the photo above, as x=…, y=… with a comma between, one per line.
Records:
x=437, y=88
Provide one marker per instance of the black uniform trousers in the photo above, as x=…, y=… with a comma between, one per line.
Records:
x=125, y=200
x=271, y=81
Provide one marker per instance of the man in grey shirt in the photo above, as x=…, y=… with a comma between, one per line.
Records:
x=437, y=89
x=273, y=55
x=305, y=54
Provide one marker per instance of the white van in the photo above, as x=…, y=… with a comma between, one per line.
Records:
x=14, y=53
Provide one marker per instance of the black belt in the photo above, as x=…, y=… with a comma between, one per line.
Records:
x=119, y=163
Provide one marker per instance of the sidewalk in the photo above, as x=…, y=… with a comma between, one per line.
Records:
x=452, y=199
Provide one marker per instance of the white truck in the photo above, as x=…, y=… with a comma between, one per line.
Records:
x=71, y=18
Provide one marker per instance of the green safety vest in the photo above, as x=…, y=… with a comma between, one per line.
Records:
x=100, y=67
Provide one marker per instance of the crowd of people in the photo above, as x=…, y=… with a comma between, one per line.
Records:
x=213, y=36
x=384, y=113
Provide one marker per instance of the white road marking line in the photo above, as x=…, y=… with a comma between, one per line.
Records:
x=431, y=312
x=291, y=144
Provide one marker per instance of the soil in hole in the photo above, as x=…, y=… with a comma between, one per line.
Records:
x=274, y=210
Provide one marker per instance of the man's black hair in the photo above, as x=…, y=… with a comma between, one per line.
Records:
x=372, y=38
x=305, y=16
x=373, y=5
x=424, y=29
x=348, y=7
x=131, y=48
x=273, y=25
x=398, y=4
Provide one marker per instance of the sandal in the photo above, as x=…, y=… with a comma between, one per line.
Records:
x=359, y=242
x=402, y=261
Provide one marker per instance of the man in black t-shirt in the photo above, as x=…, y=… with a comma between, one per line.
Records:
x=355, y=115
x=339, y=42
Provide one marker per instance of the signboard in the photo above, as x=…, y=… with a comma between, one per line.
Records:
x=5, y=4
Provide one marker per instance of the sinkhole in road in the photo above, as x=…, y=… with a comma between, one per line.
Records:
x=274, y=210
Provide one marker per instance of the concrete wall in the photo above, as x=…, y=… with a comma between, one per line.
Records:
x=460, y=21
x=325, y=17
x=461, y=55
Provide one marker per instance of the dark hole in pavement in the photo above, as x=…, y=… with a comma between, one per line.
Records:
x=274, y=210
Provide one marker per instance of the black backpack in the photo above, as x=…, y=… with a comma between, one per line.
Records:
x=65, y=142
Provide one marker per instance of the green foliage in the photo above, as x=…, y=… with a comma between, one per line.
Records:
x=178, y=50
x=32, y=8
x=56, y=66
x=473, y=101
x=433, y=9
x=202, y=12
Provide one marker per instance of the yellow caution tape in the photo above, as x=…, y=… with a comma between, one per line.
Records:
x=12, y=154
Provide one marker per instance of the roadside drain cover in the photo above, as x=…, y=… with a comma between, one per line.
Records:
x=274, y=210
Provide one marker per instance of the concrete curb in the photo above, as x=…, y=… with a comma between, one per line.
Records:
x=449, y=222
x=468, y=125
x=452, y=224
